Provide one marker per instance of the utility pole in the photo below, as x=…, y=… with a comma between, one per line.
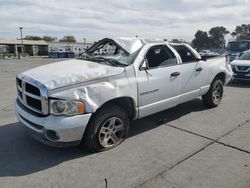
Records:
x=84, y=42
x=21, y=32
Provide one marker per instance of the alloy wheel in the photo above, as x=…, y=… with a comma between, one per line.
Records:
x=217, y=93
x=111, y=132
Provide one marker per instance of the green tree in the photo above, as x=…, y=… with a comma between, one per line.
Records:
x=217, y=36
x=242, y=32
x=201, y=39
x=32, y=37
x=178, y=41
x=68, y=38
x=49, y=38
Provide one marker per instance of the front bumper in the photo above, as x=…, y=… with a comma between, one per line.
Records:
x=241, y=72
x=241, y=76
x=58, y=131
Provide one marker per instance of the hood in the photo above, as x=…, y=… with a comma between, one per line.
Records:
x=70, y=72
x=241, y=62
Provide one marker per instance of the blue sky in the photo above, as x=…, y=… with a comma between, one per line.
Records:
x=95, y=19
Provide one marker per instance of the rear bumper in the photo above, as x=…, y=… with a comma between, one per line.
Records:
x=229, y=77
x=58, y=131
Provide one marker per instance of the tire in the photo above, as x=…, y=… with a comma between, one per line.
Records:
x=214, y=95
x=107, y=129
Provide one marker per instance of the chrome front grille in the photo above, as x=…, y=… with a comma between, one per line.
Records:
x=242, y=69
x=32, y=94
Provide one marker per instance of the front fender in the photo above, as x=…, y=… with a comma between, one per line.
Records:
x=96, y=94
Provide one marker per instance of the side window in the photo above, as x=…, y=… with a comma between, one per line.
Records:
x=160, y=56
x=185, y=53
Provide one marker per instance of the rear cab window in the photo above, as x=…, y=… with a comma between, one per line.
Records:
x=187, y=56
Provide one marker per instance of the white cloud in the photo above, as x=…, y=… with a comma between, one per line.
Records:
x=95, y=19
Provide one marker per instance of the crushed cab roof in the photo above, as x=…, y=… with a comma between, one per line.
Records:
x=132, y=44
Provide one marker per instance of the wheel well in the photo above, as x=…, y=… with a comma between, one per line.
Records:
x=221, y=76
x=126, y=103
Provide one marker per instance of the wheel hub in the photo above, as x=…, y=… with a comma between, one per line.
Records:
x=217, y=93
x=111, y=132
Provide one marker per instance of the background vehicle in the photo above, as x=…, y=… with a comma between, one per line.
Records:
x=241, y=67
x=92, y=100
x=208, y=53
x=236, y=48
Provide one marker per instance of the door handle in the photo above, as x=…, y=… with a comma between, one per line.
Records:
x=175, y=74
x=199, y=69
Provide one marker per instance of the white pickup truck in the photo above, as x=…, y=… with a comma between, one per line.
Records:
x=91, y=100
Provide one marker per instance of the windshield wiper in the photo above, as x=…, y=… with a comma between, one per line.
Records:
x=112, y=62
x=87, y=58
x=115, y=62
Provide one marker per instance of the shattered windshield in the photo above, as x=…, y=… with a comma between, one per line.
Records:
x=108, y=52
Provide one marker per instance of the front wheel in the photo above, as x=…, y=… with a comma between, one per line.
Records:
x=107, y=128
x=214, y=96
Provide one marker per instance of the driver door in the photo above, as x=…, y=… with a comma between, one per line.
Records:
x=159, y=81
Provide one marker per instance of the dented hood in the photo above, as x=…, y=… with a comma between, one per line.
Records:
x=70, y=72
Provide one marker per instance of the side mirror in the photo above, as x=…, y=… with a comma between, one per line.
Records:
x=144, y=66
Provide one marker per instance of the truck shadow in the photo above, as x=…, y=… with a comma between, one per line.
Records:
x=155, y=120
x=21, y=155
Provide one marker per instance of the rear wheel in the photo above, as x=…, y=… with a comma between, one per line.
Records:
x=214, y=96
x=107, y=128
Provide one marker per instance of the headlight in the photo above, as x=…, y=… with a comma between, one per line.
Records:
x=62, y=107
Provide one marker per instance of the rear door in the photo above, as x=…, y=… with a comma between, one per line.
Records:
x=191, y=73
x=159, y=85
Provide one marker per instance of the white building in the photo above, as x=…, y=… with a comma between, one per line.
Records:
x=77, y=48
x=30, y=47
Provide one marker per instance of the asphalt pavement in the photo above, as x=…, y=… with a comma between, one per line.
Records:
x=186, y=146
